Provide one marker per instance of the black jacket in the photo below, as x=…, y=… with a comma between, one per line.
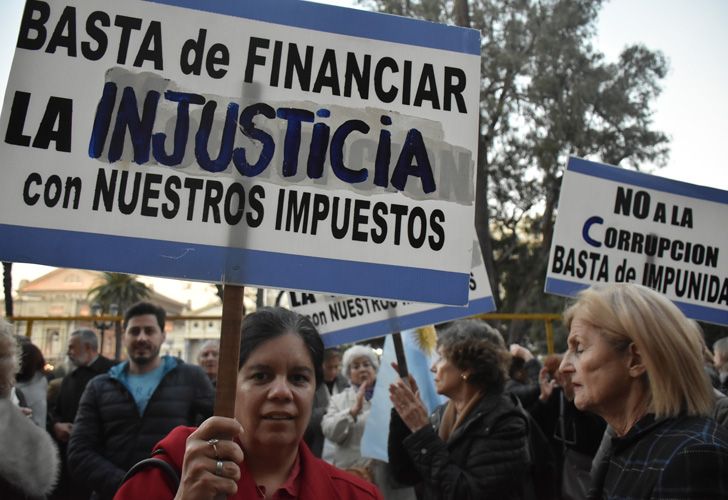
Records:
x=69, y=395
x=486, y=457
x=109, y=435
x=567, y=427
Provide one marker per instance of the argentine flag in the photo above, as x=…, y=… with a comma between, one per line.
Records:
x=419, y=349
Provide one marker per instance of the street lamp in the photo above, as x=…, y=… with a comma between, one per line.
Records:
x=97, y=310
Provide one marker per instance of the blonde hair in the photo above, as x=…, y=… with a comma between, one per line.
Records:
x=8, y=358
x=668, y=342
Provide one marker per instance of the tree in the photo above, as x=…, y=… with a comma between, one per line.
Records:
x=120, y=289
x=546, y=93
x=8, y=288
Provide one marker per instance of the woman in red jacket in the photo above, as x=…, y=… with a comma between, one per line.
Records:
x=280, y=367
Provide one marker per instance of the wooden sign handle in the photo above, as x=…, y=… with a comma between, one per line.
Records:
x=399, y=352
x=230, y=338
x=227, y=370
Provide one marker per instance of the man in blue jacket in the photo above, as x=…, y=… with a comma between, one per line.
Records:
x=123, y=413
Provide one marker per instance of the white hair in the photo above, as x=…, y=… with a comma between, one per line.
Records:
x=8, y=358
x=214, y=343
x=359, y=351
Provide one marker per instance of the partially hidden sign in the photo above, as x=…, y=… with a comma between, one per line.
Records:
x=617, y=225
x=274, y=143
x=342, y=320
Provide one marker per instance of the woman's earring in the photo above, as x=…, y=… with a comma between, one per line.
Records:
x=464, y=377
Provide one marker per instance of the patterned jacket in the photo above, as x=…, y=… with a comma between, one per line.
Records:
x=675, y=458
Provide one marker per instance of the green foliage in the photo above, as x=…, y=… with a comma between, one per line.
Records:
x=120, y=289
x=546, y=94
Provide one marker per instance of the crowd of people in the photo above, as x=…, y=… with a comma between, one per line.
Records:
x=634, y=409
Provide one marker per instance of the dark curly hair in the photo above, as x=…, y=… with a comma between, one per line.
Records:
x=476, y=347
x=31, y=362
x=142, y=309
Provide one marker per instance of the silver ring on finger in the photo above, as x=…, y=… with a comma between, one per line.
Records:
x=218, y=468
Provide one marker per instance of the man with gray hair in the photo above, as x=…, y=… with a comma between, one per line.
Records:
x=83, y=352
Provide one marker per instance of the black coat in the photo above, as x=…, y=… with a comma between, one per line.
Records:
x=63, y=409
x=567, y=427
x=109, y=435
x=486, y=457
x=72, y=387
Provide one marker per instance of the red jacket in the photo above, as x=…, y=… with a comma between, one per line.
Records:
x=318, y=479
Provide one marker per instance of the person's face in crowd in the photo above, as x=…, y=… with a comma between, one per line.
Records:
x=599, y=373
x=332, y=367
x=79, y=354
x=275, y=392
x=448, y=377
x=143, y=338
x=208, y=360
x=361, y=370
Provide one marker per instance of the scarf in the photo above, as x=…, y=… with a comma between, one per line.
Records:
x=451, y=419
x=368, y=393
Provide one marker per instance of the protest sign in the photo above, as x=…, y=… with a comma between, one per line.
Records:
x=617, y=225
x=341, y=320
x=272, y=143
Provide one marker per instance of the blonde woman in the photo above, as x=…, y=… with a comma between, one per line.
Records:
x=635, y=360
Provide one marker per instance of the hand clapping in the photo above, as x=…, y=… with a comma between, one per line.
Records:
x=406, y=401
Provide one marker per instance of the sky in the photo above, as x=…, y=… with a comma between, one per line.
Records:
x=692, y=109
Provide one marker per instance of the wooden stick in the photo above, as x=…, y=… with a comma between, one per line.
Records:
x=399, y=352
x=230, y=338
x=227, y=370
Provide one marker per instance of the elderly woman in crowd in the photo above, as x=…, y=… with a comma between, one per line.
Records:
x=474, y=446
x=347, y=414
x=345, y=419
x=280, y=368
x=29, y=462
x=635, y=360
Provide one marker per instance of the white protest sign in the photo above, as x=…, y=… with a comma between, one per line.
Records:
x=617, y=225
x=342, y=320
x=274, y=143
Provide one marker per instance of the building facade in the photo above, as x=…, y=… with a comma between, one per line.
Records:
x=64, y=293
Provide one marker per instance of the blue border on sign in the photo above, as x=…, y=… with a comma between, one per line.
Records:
x=198, y=262
x=401, y=323
x=702, y=313
x=344, y=21
x=647, y=181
